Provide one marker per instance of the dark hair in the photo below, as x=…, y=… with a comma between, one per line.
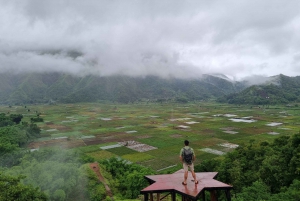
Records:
x=186, y=142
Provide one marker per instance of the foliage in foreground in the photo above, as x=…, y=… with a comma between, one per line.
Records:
x=129, y=177
x=261, y=192
x=55, y=172
x=11, y=189
x=13, y=134
x=261, y=171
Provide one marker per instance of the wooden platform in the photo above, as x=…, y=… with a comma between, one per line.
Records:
x=172, y=183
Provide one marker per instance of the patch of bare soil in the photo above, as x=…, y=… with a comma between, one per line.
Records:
x=73, y=142
x=176, y=136
x=208, y=131
x=93, y=141
x=257, y=118
x=35, y=145
x=144, y=136
x=58, y=127
x=228, y=128
x=49, y=123
x=95, y=167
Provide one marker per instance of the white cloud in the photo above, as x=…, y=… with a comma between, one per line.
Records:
x=166, y=38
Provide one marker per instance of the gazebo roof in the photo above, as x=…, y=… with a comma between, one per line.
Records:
x=173, y=183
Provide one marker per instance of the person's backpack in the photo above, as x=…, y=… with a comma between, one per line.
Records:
x=188, y=156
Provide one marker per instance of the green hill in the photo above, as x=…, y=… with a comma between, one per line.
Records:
x=279, y=89
x=45, y=87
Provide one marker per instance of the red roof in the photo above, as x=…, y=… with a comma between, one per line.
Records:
x=173, y=183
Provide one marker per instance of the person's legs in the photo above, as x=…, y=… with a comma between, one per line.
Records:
x=185, y=176
x=185, y=168
x=193, y=173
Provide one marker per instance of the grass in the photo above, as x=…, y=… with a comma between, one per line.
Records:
x=121, y=151
x=101, y=155
x=156, y=127
x=137, y=157
x=88, y=149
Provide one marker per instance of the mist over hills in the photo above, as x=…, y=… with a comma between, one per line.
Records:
x=65, y=88
x=278, y=89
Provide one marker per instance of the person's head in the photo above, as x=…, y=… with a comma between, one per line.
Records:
x=186, y=142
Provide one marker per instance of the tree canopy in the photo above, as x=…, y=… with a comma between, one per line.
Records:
x=11, y=189
x=261, y=171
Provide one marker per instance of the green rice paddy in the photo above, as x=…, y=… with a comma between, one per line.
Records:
x=158, y=130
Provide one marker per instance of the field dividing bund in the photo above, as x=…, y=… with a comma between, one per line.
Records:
x=152, y=134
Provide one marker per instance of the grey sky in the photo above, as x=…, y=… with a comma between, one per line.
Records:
x=168, y=38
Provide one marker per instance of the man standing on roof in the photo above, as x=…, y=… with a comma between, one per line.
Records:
x=187, y=157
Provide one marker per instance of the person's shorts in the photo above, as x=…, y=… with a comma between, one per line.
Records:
x=186, y=167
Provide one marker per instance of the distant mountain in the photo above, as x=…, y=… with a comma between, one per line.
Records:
x=275, y=90
x=64, y=88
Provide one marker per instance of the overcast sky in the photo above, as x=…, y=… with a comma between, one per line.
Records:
x=138, y=37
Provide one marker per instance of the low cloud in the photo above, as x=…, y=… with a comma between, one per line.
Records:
x=168, y=39
x=257, y=80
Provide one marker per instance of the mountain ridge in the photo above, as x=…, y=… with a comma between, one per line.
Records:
x=279, y=89
x=65, y=88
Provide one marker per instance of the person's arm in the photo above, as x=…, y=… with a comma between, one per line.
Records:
x=194, y=156
x=180, y=156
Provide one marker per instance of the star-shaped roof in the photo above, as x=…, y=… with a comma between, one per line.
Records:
x=173, y=182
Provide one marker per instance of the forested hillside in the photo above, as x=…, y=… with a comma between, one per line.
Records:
x=261, y=171
x=58, y=174
x=64, y=88
x=281, y=90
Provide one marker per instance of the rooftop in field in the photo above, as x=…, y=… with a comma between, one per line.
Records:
x=131, y=131
x=229, y=115
x=231, y=132
x=242, y=120
x=192, y=122
x=213, y=151
x=229, y=145
x=180, y=119
x=52, y=130
x=111, y=146
x=183, y=126
x=274, y=124
x=273, y=133
x=106, y=119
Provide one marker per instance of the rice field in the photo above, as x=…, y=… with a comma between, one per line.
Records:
x=153, y=134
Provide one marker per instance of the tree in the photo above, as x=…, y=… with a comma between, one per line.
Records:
x=11, y=137
x=291, y=193
x=11, y=189
x=258, y=191
x=59, y=195
x=131, y=176
x=33, y=131
x=133, y=183
x=255, y=166
x=5, y=121
x=36, y=119
x=16, y=118
x=55, y=172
